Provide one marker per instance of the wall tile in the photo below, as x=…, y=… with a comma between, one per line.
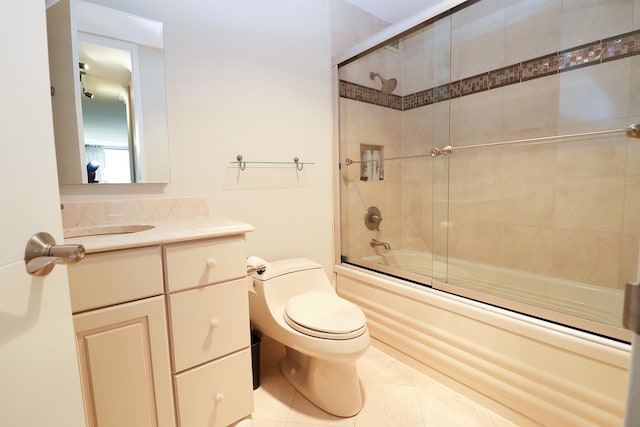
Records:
x=589, y=257
x=632, y=205
x=474, y=198
x=474, y=29
x=605, y=18
x=529, y=161
x=476, y=241
x=529, y=201
x=633, y=157
x=478, y=119
x=531, y=108
x=532, y=29
x=629, y=259
x=595, y=93
x=634, y=89
x=589, y=203
x=528, y=249
x=602, y=156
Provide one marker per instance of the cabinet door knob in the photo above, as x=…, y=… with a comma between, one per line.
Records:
x=214, y=323
x=219, y=397
x=211, y=262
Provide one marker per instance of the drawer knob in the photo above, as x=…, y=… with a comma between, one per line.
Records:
x=219, y=397
x=214, y=323
x=211, y=262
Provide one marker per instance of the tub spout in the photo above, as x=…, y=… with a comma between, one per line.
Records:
x=376, y=242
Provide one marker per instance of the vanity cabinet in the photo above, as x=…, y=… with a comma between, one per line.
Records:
x=163, y=334
x=209, y=327
x=121, y=333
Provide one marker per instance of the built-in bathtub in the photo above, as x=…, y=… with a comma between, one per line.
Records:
x=532, y=371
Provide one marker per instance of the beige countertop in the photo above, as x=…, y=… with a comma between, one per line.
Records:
x=166, y=231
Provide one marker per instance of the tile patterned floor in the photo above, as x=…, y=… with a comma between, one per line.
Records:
x=395, y=396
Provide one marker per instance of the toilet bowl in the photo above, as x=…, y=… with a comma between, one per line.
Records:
x=324, y=335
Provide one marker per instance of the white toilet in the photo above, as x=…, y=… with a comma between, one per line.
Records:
x=324, y=335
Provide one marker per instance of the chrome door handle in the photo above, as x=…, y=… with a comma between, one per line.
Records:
x=42, y=254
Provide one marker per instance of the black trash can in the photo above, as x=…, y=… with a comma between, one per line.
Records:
x=256, y=337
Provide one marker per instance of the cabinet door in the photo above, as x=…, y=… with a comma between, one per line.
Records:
x=124, y=365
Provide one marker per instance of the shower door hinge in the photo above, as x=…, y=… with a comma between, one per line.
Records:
x=631, y=314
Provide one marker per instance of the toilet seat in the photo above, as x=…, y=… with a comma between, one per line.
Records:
x=324, y=315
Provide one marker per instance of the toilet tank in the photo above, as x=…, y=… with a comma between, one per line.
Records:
x=290, y=277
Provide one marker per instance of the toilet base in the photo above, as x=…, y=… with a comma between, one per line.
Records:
x=334, y=387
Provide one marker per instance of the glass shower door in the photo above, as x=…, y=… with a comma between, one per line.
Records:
x=546, y=228
x=386, y=168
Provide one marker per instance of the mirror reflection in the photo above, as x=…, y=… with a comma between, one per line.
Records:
x=108, y=116
x=109, y=103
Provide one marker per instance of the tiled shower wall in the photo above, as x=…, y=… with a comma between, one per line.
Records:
x=518, y=69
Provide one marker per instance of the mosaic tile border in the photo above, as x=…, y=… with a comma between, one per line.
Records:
x=371, y=96
x=598, y=52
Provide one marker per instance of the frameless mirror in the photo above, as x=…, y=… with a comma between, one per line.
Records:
x=109, y=99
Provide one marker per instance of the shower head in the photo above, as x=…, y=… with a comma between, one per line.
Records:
x=387, y=85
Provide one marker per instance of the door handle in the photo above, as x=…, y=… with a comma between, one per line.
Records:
x=631, y=314
x=42, y=254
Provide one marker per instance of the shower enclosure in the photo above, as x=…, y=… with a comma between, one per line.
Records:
x=499, y=166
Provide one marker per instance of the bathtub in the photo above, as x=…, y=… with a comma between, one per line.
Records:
x=582, y=300
x=532, y=371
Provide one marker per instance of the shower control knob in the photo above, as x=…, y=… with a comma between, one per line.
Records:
x=219, y=397
x=211, y=262
x=214, y=323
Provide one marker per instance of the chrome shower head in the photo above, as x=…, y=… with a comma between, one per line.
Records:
x=387, y=85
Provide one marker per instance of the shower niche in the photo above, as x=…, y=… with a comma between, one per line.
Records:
x=371, y=162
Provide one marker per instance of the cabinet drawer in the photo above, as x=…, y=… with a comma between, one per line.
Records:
x=216, y=394
x=209, y=322
x=110, y=278
x=199, y=263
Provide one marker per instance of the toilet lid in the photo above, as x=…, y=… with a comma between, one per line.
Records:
x=325, y=315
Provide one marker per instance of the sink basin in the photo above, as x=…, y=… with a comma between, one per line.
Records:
x=98, y=230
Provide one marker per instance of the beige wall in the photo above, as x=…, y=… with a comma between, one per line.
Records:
x=250, y=78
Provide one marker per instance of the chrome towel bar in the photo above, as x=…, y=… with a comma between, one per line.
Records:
x=632, y=131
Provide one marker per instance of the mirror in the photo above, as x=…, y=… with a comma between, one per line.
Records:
x=109, y=97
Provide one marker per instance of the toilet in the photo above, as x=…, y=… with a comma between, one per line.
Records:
x=324, y=335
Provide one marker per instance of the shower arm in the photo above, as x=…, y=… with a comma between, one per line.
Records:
x=632, y=132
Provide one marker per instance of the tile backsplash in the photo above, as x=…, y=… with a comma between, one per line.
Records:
x=83, y=214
